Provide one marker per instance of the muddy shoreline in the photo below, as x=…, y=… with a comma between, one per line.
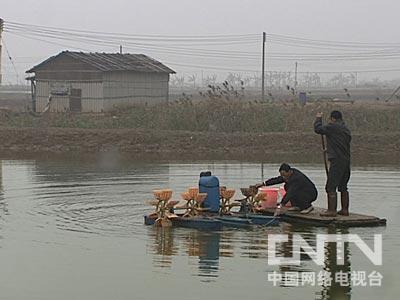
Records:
x=184, y=145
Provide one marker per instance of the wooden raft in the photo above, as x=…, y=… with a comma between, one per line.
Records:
x=314, y=218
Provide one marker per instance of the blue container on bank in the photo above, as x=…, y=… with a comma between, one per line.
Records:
x=303, y=98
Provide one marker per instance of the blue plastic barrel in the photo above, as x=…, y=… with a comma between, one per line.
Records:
x=210, y=185
x=303, y=98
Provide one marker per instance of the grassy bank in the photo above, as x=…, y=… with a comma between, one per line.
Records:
x=218, y=116
x=275, y=146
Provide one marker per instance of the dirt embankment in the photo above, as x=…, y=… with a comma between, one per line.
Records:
x=293, y=146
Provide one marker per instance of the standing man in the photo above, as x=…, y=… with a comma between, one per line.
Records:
x=300, y=190
x=338, y=138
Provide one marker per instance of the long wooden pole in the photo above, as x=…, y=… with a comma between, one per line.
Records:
x=263, y=68
x=295, y=77
x=1, y=31
x=324, y=154
x=262, y=172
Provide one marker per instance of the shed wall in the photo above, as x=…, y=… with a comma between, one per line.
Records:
x=128, y=88
x=92, y=95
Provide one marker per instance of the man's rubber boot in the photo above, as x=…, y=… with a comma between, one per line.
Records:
x=332, y=206
x=344, y=199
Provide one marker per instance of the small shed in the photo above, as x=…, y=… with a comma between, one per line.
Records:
x=97, y=82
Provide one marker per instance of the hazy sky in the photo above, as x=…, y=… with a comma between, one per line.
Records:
x=369, y=21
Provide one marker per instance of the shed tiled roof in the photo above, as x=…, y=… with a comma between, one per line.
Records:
x=113, y=62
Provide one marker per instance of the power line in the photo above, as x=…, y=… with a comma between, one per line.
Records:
x=197, y=46
x=117, y=39
x=11, y=60
x=110, y=35
x=375, y=55
x=279, y=71
x=139, y=35
x=200, y=38
x=332, y=43
x=382, y=54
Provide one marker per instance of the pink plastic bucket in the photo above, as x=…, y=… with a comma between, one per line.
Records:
x=271, y=196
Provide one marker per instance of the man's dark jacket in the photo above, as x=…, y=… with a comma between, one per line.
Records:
x=297, y=186
x=338, y=138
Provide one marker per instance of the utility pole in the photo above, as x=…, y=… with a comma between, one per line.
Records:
x=1, y=39
x=295, y=76
x=262, y=171
x=263, y=68
x=355, y=83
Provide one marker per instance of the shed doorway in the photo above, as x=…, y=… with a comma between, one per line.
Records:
x=75, y=100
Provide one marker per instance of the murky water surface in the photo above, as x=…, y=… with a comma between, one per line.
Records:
x=74, y=230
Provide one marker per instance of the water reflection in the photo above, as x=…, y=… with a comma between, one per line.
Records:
x=205, y=246
x=3, y=204
x=209, y=247
x=331, y=286
x=164, y=247
x=286, y=249
x=337, y=289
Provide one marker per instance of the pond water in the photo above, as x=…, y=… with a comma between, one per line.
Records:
x=72, y=229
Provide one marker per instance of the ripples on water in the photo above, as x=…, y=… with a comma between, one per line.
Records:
x=62, y=203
